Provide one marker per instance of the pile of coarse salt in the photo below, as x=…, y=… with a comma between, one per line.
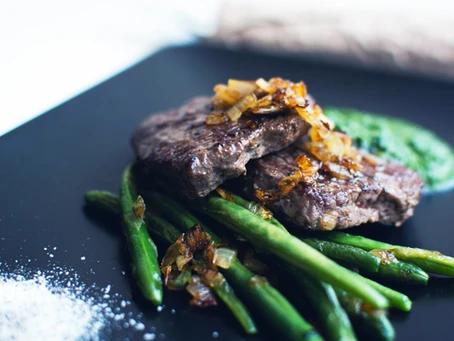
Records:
x=34, y=309
x=54, y=305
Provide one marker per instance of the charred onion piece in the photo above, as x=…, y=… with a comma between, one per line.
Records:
x=180, y=253
x=225, y=194
x=235, y=112
x=216, y=119
x=306, y=172
x=202, y=296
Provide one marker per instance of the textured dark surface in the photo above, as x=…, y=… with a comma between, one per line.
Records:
x=83, y=144
x=178, y=147
x=386, y=193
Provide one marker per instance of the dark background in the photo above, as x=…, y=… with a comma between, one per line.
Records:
x=48, y=164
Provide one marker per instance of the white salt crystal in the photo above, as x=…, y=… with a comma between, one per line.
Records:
x=140, y=326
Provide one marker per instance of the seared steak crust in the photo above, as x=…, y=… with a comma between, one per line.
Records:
x=385, y=193
x=178, y=146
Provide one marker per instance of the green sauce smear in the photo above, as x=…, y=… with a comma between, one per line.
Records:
x=400, y=140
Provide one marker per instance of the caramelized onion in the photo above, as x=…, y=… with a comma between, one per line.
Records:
x=234, y=113
x=216, y=119
x=138, y=207
x=259, y=210
x=334, y=149
x=263, y=85
x=338, y=170
x=242, y=87
x=224, y=194
x=306, y=173
x=180, y=253
x=387, y=257
x=202, y=296
x=261, y=97
x=224, y=257
x=177, y=270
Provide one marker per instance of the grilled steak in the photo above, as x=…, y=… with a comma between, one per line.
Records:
x=188, y=155
x=386, y=193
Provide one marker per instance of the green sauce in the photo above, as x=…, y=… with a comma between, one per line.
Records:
x=396, y=139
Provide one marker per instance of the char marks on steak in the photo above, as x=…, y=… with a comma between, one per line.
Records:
x=195, y=158
x=385, y=193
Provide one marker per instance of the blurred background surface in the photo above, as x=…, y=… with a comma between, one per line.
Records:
x=52, y=50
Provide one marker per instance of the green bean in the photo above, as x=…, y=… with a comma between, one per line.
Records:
x=287, y=247
x=353, y=255
x=272, y=306
x=430, y=261
x=400, y=272
x=103, y=200
x=324, y=303
x=371, y=323
x=141, y=247
x=395, y=298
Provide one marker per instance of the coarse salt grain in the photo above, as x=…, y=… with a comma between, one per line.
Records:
x=149, y=336
x=140, y=326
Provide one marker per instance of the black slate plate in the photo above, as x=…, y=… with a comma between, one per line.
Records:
x=48, y=164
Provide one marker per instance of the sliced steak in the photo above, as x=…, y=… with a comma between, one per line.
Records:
x=195, y=158
x=385, y=193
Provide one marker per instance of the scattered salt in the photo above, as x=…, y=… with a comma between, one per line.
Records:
x=55, y=305
x=31, y=307
x=107, y=290
x=149, y=336
x=119, y=317
x=140, y=326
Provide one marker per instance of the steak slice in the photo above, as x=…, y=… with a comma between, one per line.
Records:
x=386, y=193
x=195, y=158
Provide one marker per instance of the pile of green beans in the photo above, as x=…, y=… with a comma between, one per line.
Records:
x=337, y=295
